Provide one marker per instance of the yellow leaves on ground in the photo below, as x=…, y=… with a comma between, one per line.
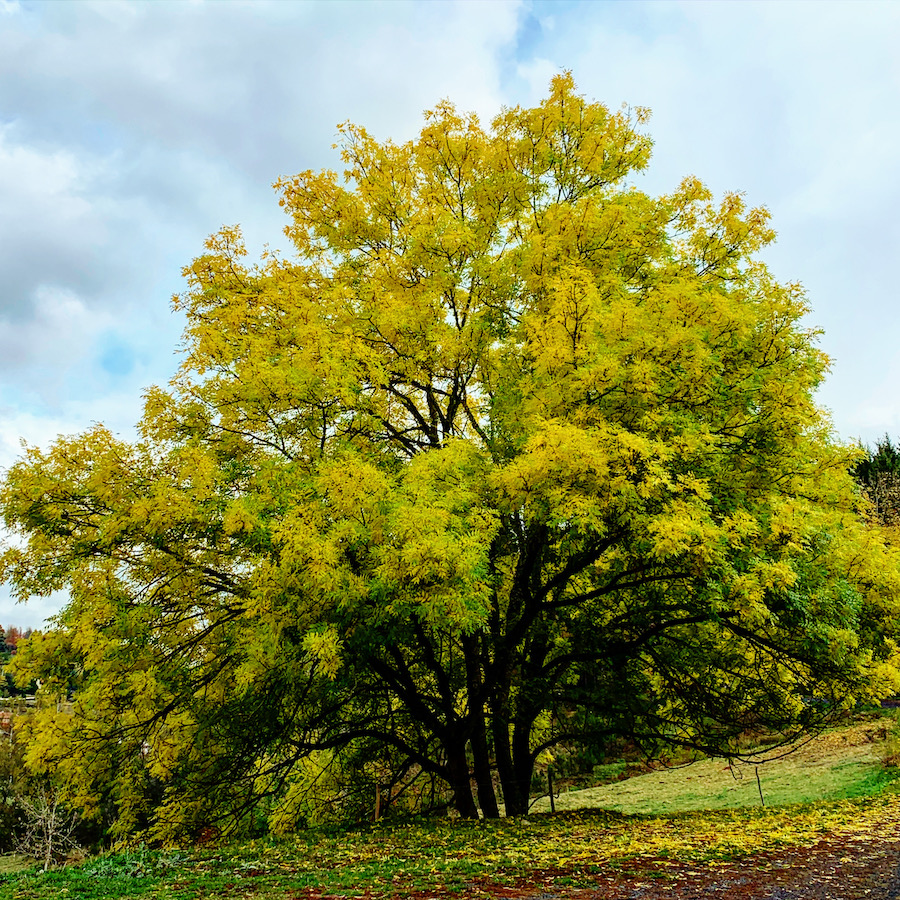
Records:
x=593, y=840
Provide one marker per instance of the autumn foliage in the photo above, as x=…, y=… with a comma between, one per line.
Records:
x=506, y=455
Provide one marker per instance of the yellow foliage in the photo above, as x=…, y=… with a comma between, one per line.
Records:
x=506, y=452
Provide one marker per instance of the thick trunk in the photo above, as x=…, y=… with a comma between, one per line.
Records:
x=515, y=766
x=530, y=701
x=484, y=777
x=460, y=783
x=523, y=761
x=514, y=800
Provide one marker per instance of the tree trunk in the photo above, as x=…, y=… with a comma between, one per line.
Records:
x=515, y=803
x=460, y=783
x=523, y=761
x=484, y=776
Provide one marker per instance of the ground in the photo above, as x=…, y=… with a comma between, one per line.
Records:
x=834, y=869
x=657, y=845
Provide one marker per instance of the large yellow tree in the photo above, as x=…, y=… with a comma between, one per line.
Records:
x=506, y=453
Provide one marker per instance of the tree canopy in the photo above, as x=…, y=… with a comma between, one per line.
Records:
x=506, y=454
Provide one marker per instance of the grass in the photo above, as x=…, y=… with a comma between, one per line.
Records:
x=445, y=858
x=839, y=764
x=14, y=862
x=440, y=858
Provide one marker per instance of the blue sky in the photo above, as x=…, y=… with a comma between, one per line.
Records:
x=130, y=131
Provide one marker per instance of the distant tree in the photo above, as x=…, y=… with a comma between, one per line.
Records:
x=510, y=455
x=12, y=636
x=878, y=473
x=10, y=642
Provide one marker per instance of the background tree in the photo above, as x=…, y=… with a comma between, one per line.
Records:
x=878, y=473
x=9, y=640
x=509, y=454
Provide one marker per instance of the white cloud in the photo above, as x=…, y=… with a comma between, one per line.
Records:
x=537, y=74
x=50, y=232
x=116, y=410
x=59, y=319
x=256, y=84
x=142, y=127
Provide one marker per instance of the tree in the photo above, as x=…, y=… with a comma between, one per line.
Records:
x=878, y=473
x=509, y=454
x=13, y=787
x=49, y=828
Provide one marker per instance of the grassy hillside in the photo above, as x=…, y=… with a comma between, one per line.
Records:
x=839, y=764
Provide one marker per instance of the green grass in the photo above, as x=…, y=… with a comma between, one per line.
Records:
x=841, y=763
x=442, y=859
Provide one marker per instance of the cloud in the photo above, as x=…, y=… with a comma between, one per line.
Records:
x=51, y=232
x=142, y=127
x=255, y=84
x=59, y=318
x=131, y=130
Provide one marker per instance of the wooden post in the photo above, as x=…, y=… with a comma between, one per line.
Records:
x=550, y=788
x=377, y=800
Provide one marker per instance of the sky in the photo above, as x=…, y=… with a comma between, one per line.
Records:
x=129, y=131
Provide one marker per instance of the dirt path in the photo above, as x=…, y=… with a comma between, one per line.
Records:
x=834, y=869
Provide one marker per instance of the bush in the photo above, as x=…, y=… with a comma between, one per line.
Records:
x=12, y=787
